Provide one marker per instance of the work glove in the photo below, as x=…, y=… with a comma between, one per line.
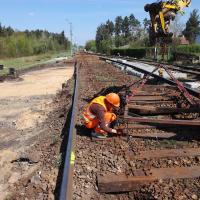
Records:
x=114, y=131
x=118, y=131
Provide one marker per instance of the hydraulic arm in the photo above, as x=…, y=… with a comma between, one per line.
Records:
x=162, y=13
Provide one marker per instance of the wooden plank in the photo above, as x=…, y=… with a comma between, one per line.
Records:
x=176, y=173
x=168, y=153
x=152, y=102
x=150, y=98
x=151, y=110
x=123, y=183
x=137, y=126
x=152, y=135
x=162, y=121
x=143, y=102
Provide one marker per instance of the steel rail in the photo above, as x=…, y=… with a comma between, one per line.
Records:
x=174, y=67
x=183, y=69
x=191, y=91
x=66, y=192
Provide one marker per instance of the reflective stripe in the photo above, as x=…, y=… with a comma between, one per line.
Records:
x=87, y=116
x=85, y=119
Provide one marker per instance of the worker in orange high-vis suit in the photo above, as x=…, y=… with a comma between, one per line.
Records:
x=98, y=115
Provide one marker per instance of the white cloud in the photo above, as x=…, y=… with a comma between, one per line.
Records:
x=31, y=14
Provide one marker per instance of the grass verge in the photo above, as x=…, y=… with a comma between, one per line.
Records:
x=26, y=62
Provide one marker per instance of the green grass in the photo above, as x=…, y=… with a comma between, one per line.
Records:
x=197, y=54
x=27, y=62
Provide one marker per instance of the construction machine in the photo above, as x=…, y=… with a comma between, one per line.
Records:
x=161, y=14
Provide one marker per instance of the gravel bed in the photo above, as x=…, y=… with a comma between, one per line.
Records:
x=109, y=156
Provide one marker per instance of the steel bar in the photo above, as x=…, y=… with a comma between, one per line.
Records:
x=163, y=121
x=143, y=82
x=181, y=87
x=123, y=183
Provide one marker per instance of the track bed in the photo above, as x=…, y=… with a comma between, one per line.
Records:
x=150, y=162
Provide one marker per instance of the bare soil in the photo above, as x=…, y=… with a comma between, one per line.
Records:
x=29, y=106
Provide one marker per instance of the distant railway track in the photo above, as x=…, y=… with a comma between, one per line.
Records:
x=141, y=70
x=194, y=70
x=154, y=146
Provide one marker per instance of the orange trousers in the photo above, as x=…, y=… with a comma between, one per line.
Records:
x=94, y=124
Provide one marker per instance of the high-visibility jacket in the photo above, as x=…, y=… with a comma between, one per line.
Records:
x=87, y=116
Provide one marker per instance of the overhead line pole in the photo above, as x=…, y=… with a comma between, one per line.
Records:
x=71, y=36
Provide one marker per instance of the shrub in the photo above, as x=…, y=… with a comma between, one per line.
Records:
x=131, y=52
x=193, y=48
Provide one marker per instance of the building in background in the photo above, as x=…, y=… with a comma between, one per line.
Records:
x=184, y=41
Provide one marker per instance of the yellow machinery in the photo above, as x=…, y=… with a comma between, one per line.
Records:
x=162, y=13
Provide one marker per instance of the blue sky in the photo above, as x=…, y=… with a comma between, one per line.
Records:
x=85, y=15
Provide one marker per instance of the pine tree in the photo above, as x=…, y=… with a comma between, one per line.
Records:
x=110, y=27
x=118, y=25
x=126, y=27
x=192, y=29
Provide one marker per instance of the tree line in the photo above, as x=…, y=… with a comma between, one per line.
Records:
x=14, y=43
x=121, y=32
x=129, y=32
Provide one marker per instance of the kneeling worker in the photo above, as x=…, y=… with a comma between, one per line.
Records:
x=98, y=115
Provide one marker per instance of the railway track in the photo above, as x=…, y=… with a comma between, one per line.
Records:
x=127, y=66
x=191, y=70
x=158, y=157
x=194, y=70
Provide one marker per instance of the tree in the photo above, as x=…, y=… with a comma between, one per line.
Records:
x=118, y=25
x=91, y=45
x=134, y=26
x=110, y=26
x=126, y=28
x=146, y=24
x=177, y=27
x=192, y=29
x=15, y=43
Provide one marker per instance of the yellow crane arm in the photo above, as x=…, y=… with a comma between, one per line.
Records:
x=162, y=13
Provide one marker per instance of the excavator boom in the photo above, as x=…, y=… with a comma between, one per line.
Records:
x=162, y=13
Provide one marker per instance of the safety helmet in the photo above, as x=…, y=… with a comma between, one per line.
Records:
x=113, y=99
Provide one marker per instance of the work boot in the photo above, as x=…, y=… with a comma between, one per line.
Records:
x=98, y=135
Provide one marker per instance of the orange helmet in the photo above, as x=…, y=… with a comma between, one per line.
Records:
x=113, y=99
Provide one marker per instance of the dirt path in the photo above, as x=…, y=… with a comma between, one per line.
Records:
x=24, y=105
